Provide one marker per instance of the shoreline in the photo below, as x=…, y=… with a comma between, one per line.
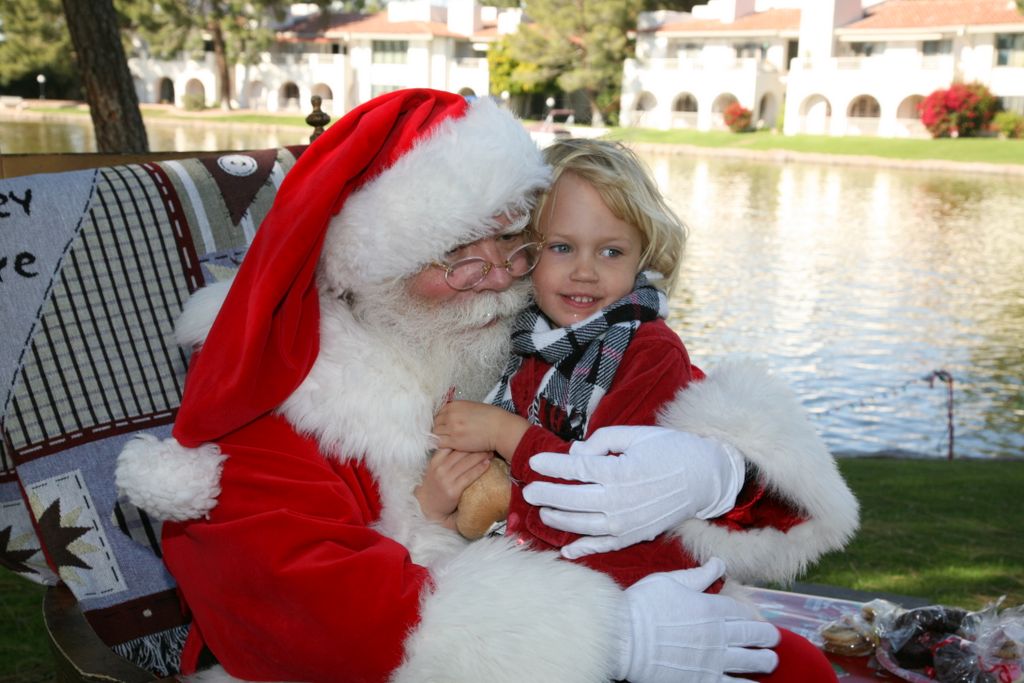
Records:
x=778, y=156
x=784, y=156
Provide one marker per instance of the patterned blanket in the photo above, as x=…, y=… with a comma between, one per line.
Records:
x=94, y=268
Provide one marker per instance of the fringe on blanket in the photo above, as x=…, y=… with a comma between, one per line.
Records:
x=159, y=653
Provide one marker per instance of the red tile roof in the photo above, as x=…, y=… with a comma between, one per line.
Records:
x=378, y=23
x=315, y=25
x=910, y=14
x=769, y=21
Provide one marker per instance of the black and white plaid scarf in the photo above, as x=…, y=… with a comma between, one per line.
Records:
x=584, y=358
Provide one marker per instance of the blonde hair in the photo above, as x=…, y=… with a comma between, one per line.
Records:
x=629, y=192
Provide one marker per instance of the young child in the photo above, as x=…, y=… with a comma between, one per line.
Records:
x=594, y=350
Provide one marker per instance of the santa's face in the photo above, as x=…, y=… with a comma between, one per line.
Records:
x=430, y=287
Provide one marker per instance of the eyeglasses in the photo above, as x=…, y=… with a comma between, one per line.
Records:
x=467, y=273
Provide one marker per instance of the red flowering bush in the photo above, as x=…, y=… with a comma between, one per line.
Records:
x=737, y=117
x=962, y=110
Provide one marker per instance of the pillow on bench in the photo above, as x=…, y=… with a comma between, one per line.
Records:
x=94, y=269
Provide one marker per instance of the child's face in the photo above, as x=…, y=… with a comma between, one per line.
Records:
x=590, y=257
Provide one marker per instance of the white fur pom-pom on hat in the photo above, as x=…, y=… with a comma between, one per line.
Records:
x=167, y=480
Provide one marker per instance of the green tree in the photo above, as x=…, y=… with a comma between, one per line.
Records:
x=509, y=74
x=580, y=44
x=36, y=41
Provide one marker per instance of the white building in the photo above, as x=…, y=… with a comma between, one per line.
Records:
x=346, y=60
x=838, y=67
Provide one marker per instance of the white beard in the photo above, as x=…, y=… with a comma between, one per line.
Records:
x=455, y=347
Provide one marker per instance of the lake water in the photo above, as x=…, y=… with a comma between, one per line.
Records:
x=852, y=283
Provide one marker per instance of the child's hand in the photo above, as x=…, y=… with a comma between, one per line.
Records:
x=469, y=426
x=448, y=474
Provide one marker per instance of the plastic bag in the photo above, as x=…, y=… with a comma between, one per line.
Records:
x=935, y=643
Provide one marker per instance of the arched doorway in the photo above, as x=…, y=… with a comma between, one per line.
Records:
x=718, y=108
x=288, y=97
x=908, y=118
x=645, y=102
x=862, y=116
x=195, y=94
x=326, y=97
x=767, y=110
x=165, y=91
x=684, y=111
x=815, y=115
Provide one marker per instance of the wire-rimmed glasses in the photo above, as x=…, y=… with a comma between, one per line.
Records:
x=467, y=273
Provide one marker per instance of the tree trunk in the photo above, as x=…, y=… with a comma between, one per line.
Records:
x=220, y=57
x=596, y=117
x=113, y=104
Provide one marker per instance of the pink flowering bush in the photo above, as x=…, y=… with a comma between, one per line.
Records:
x=737, y=117
x=962, y=110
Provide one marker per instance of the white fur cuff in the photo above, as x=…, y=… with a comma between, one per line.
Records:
x=167, y=480
x=742, y=405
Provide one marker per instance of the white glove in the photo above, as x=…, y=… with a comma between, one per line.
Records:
x=677, y=632
x=662, y=478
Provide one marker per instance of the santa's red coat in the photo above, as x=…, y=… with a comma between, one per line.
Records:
x=316, y=563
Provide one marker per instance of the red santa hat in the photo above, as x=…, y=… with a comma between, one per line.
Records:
x=387, y=189
x=396, y=183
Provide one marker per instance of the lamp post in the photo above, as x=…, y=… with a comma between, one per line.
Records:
x=41, y=80
x=505, y=95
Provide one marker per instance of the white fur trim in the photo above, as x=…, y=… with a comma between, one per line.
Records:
x=390, y=430
x=503, y=614
x=197, y=316
x=443, y=192
x=167, y=480
x=741, y=404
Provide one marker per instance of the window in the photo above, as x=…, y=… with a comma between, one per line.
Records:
x=747, y=50
x=1015, y=104
x=390, y=51
x=684, y=50
x=867, y=49
x=464, y=51
x=792, y=50
x=1010, y=49
x=937, y=47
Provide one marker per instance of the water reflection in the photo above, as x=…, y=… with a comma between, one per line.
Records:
x=856, y=283
x=22, y=137
x=852, y=283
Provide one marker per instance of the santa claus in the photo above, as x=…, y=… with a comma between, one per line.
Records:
x=299, y=546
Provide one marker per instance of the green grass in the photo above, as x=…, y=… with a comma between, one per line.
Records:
x=988, y=150
x=949, y=532
x=24, y=653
